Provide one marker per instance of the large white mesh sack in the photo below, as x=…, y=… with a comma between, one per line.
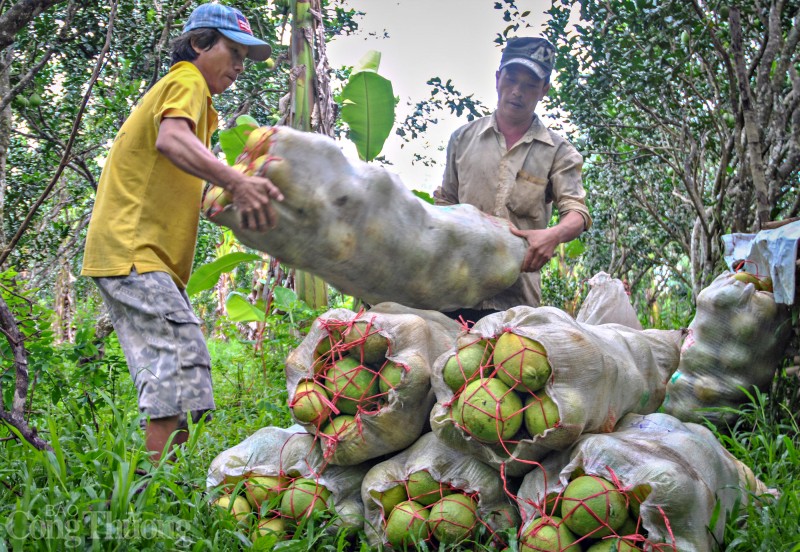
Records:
x=599, y=374
x=676, y=474
x=384, y=420
x=339, y=216
x=450, y=467
x=736, y=339
x=291, y=453
x=608, y=303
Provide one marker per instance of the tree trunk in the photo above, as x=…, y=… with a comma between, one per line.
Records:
x=307, y=86
x=5, y=139
x=751, y=124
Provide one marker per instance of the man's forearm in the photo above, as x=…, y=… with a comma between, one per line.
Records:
x=178, y=143
x=569, y=227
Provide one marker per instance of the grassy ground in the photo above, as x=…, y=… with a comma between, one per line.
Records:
x=97, y=490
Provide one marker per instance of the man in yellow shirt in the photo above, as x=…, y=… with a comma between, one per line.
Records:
x=511, y=166
x=143, y=231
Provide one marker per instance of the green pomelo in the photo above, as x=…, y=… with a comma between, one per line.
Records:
x=309, y=404
x=390, y=498
x=263, y=488
x=636, y=496
x=236, y=506
x=331, y=338
x=215, y=199
x=373, y=345
x=465, y=364
x=274, y=526
x=541, y=413
x=343, y=365
x=303, y=498
x=323, y=347
x=453, y=518
x=230, y=481
x=352, y=384
x=424, y=489
x=612, y=545
x=407, y=524
x=390, y=376
x=592, y=506
x=455, y=414
x=747, y=278
x=548, y=535
x=552, y=505
x=257, y=143
x=630, y=528
x=489, y=410
x=339, y=424
x=521, y=362
x=323, y=357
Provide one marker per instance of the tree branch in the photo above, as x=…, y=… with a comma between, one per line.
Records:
x=68, y=149
x=15, y=418
x=18, y=16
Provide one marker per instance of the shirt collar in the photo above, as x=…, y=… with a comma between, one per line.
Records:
x=537, y=130
x=188, y=65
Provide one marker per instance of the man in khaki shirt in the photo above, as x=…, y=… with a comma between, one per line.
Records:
x=511, y=166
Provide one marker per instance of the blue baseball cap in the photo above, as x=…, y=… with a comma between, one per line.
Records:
x=232, y=24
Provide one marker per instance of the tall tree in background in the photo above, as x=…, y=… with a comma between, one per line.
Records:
x=311, y=106
x=689, y=112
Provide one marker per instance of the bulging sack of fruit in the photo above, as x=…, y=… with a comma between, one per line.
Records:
x=524, y=382
x=655, y=483
x=277, y=478
x=360, y=382
x=434, y=493
x=736, y=340
x=608, y=303
x=340, y=215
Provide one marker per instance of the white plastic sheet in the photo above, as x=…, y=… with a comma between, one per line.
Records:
x=770, y=253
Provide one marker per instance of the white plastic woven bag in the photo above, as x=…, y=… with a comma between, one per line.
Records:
x=292, y=453
x=359, y=228
x=384, y=421
x=680, y=472
x=450, y=467
x=736, y=339
x=599, y=374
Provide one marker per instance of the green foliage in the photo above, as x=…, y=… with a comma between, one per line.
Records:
x=444, y=96
x=232, y=140
x=767, y=438
x=424, y=196
x=650, y=90
x=206, y=276
x=368, y=104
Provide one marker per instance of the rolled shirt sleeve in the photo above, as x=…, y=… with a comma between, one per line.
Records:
x=567, y=183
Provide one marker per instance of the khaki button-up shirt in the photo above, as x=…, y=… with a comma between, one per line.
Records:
x=519, y=185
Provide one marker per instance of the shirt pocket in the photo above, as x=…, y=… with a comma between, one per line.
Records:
x=192, y=349
x=528, y=196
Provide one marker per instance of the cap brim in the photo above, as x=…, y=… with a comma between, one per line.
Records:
x=258, y=50
x=539, y=71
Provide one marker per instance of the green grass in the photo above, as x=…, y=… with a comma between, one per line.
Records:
x=98, y=491
x=766, y=438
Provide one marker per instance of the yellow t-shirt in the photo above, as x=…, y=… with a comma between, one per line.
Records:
x=147, y=210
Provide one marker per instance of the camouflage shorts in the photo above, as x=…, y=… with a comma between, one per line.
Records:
x=161, y=338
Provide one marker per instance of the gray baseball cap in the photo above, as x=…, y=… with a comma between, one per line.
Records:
x=536, y=54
